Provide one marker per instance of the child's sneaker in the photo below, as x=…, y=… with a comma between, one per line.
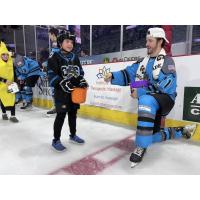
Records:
x=14, y=119
x=76, y=139
x=57, y=145
x=4, y=116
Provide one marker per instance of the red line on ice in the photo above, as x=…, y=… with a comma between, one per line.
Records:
x=91, y=166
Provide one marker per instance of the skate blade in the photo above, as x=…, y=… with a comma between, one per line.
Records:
x=133, y=164
x=18, y=105
x=27, y=109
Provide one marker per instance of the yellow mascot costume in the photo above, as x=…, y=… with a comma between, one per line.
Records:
x=6, y=73
x=2, y=45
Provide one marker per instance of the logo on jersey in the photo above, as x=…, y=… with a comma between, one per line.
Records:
x=69, y=71
x=51, y=54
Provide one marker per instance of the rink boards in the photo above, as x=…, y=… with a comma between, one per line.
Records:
x=114, y=104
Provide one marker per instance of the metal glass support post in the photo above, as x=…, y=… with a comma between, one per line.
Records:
x=36, y=49
x=189, y=39
x=90, y=40
x=14, y=36
x=121, y=40
x=24, y=41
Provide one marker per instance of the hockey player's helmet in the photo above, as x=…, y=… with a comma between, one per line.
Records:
x=65, y=35
x=19, y=61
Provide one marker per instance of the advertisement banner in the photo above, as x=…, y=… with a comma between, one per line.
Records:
x=104, y=94
x=191, y=108
x=42, y=90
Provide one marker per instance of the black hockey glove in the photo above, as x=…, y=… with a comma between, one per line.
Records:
x=67, y=86
x=83, y=83
x=75, y=81
x=79, y=82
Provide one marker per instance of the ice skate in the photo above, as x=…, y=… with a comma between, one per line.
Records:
x=136, y=156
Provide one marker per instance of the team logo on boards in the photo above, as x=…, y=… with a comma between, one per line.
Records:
x=102, y=72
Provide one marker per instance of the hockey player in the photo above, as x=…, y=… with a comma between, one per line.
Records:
x=64, y=73
x=53, y=34
x=157, y=98
x=27, y=72
x=7, y=99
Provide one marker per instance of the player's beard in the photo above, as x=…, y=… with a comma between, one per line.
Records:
x=151, y=51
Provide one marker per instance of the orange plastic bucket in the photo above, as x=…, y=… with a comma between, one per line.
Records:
x=79, y=95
